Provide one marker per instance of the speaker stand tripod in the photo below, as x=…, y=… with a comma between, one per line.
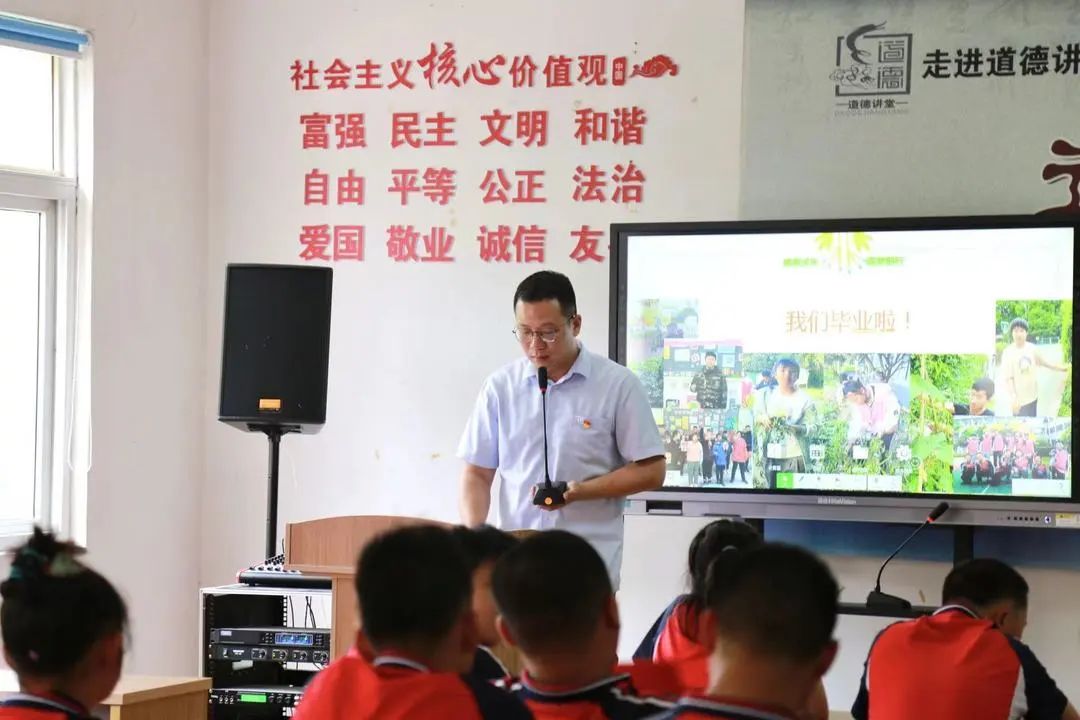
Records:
x=273, y=434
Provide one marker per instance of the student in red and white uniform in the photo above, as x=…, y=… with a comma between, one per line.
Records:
x=769, y=613
x=557, y=606
x=63, y=631
x=964, y=662
x=414, y=589
x=674, y=637
x=483, y=546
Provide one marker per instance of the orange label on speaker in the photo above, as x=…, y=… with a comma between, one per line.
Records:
x=270, y=404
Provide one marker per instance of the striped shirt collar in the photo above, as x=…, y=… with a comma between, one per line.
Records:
x=616, y=688
x=954, y=608
x=530, y=686
x=732, y=709
x=59, y=703
x=400, y=662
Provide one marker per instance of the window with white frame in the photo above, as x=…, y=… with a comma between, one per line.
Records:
x=40, y=267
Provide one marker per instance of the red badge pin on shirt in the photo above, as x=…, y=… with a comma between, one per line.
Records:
x=586, y=424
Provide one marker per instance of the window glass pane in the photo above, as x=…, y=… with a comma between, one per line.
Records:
x=26, y=114
x=20, y=239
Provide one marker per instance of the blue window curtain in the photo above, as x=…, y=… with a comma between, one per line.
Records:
x=43, y=37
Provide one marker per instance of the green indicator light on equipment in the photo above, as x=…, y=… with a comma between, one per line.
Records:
x=252, y=698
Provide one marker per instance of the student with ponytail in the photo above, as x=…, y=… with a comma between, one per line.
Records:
x=674, y=638
x=679, y=637
x=769, y=617
x=63, y=630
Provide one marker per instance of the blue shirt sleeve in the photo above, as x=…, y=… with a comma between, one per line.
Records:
x=636, y=434
x=1044, y=700
x=647, y=647
x=480, y=441
x=860, y=709
x=646, y=650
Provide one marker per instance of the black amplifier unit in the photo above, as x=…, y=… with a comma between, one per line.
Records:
x=259, y=653
x=265, y=696
x=307, y=638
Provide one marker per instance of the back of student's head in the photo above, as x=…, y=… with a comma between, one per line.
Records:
x=55, y=610
x=774, y=601
x=413, y=585
x=483, y=544
x=551, y=591
x=983, y=582
x=716, y=538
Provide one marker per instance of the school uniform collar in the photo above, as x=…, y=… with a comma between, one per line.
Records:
x=957, y=608
x=733, y=709
x=396, y=661
x=552, y=693
x=53, y=702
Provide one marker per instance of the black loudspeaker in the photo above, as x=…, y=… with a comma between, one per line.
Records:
x=276, y=348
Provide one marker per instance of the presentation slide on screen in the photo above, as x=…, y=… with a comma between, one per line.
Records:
x=896, y=362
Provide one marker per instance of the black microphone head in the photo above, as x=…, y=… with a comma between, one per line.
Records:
x=541, y=378
x=938, y=511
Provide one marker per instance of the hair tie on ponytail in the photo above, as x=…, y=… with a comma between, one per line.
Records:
x=28, y=557
x=64, y=565
x=27, y=564
x=43, y=556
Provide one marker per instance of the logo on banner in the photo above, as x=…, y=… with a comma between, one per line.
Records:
x=873, y=68
x=1067, y=167
x=843, y=252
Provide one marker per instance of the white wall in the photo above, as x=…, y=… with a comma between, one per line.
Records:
x=148, y=308
x=411, y=344
x=958, y=146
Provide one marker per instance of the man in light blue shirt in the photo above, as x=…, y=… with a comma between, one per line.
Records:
x=602, y=438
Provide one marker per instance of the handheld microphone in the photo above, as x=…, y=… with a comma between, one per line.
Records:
x=547, y=493
x=878, y=599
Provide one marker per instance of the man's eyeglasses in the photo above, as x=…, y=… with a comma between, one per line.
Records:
x=525, y=336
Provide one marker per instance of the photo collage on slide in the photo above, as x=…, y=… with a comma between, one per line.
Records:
x=844, y=375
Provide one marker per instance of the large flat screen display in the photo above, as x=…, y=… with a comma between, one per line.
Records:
x=914, y=357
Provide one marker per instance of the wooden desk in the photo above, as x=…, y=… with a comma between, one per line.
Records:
x=331, y=546
x=143, y=697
